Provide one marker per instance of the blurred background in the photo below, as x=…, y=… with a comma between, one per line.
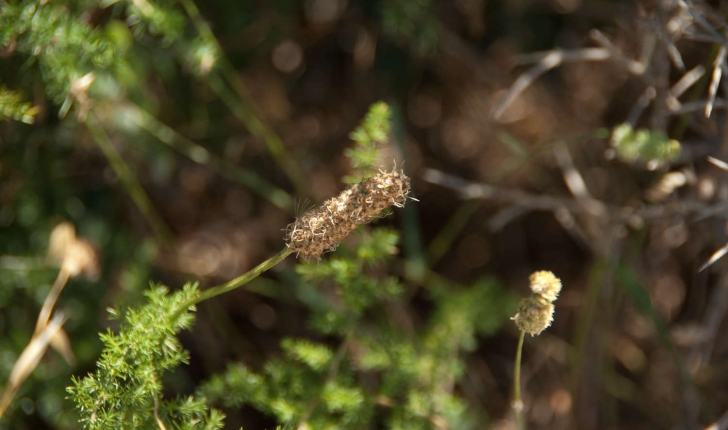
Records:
x=180, y=139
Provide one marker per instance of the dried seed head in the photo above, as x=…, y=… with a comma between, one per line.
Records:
x=545, y=284
x=534, y=317
x=536, y=313
x=75, y=255
x=322, y=229
x=81, y=259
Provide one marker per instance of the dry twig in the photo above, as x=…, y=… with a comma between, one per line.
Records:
x=715, y=80
x=545, y=62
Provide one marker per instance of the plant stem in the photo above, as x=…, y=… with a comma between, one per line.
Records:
x=201, y=155
x=237, y=282
x=127, y=179
x=243, y=107
x=51, y=299
x=517, y=402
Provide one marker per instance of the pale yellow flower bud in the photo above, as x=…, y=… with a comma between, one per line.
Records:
x=546, y=285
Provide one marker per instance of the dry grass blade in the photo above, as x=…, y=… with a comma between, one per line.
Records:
x=699, y=105
x=553, y=59
x=721, y=424
x=545, y=61
x=722, y=251
x=640, y=105
x=700, y=19
x=585, y=54
x=687, y=80
x=572, y=177
x=51, y=299
x=29, y=359
x=470, y=190
x=62, y=344
x=672, y=51
x=718, y=163
x=715, y=80
x=631, y=65
x=715, y=257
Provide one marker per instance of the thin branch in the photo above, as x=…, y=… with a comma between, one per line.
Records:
x=585, y=54
x=699, y=105
x=704, y=38
x=160, y=423
x=700, y=19
x=669, y=45
x=572, y=177
x=550, y=61
x=631, y=65
x=545, y=61
x=594, y=207
x=640, y=105
x=687, y=80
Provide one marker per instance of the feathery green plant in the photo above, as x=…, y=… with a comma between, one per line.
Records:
x=369, y=137
x=13, y=107
x=126, y=389
x=404, y=377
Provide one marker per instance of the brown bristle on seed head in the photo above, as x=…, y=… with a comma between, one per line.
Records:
x=322, y=229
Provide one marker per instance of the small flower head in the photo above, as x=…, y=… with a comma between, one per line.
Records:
x=533, y=316
x=536, y=313
x=322, y=229
x=545, y=284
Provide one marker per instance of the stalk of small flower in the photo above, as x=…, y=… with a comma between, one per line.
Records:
x=535, y=314
x=322, y=229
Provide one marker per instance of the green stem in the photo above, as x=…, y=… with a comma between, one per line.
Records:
x=242, y=106
x=201, y=155
x=127, y=178
x=237, y=282
x=517, y=402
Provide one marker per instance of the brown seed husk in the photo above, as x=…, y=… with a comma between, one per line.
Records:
x=322, y=229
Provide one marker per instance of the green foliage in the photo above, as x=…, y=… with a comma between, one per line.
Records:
x=412, y=23
x=358, y=290
x=649, y=146
x=369, y=136
x=49, y=35
x=372, y=371
x=126, y=388
x=381, y=374
x=13, y=107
